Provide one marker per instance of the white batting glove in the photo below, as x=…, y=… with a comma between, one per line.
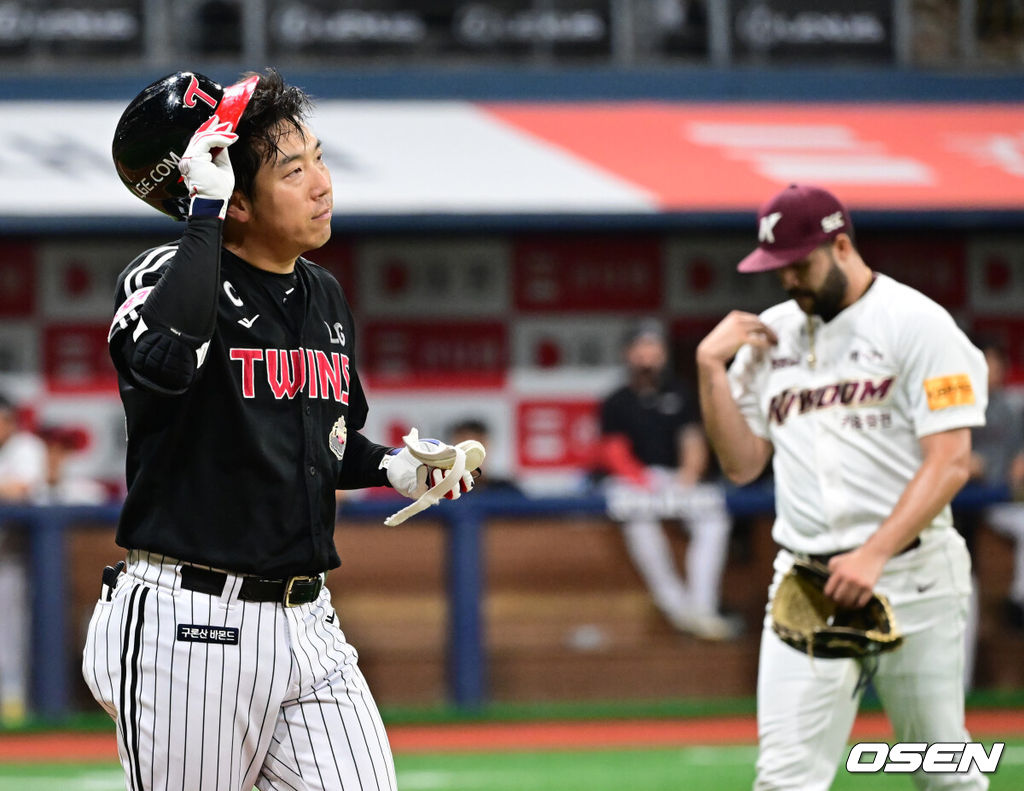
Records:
x=206, y=169
x=412, y=477
x=406, y=474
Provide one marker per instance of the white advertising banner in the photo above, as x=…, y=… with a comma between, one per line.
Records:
x=385, y=157
x=701, y=277
x=424, y=158
x=559, y=344
x=428, y=278
x=77, y=277
x=19, y=348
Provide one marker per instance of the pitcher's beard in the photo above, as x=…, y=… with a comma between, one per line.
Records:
x=827, y=301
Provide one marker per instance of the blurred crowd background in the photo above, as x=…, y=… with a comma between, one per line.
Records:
x=517, y=184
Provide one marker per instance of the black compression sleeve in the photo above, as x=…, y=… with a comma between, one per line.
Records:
x=360, y=466
x=184, y=300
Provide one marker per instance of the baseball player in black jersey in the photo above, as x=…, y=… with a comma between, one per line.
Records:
x=217, y=650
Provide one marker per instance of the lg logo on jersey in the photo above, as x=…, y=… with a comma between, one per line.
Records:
x=938, y=758
x=336, y=333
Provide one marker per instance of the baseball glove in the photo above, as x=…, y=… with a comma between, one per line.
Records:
x=805, y=618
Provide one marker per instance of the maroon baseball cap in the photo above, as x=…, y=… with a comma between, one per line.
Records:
x=792, y=224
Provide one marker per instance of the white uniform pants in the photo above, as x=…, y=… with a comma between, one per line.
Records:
x=806, y=707
x=702, y=512
x=259, y=694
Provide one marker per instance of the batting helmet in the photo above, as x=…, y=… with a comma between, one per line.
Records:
x=157, y=126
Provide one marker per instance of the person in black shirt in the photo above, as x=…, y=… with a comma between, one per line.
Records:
x=653, y=447
x=218, y=652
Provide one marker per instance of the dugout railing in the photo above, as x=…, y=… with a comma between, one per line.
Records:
x=464, y=522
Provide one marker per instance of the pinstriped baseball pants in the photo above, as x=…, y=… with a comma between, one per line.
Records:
x=211, y=693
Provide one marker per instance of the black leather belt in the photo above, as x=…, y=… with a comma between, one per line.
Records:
x=824, y=559
x=290, y=592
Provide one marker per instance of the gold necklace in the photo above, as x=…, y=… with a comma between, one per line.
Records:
x=812, y=357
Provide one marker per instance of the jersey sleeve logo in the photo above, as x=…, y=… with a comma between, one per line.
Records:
x=129, y=311
x=338, y=438
x=947, y=391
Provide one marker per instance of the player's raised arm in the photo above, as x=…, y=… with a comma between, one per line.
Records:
x=166, y=301
x=741, y=453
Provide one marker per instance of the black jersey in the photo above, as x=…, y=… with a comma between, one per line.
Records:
x=239, y=470
x=652, y=422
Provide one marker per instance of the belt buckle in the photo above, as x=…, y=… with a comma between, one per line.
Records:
x=286, y=600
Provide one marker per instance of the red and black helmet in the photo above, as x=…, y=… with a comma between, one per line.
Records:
x=156, y=127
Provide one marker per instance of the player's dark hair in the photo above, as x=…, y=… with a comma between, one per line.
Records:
x=275, y=110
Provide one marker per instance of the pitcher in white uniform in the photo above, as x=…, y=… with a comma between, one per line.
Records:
x=863, y=393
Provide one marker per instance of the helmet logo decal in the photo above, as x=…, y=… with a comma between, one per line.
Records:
x=155, y=128
x=194, y=92
x=162, y=170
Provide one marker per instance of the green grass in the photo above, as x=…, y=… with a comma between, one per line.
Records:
x=95, y=720
x=720, y=768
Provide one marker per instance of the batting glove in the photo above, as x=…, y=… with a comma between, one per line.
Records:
x=206, y=169
x=412, y=477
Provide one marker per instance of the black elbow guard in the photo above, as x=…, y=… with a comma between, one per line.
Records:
x=164, y=362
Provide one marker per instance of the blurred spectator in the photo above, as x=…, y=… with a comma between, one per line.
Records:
x=998, y=462
x=474, y=428
x=22, y=457
x=22, y=470
x=654, y=449
x=997, y=448
x=61, y=486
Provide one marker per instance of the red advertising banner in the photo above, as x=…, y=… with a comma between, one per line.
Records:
x=337, y=258
x=434, y=353
x=711, y=157
x=17, y=279
x=995, y=267
x=1010, y=333
x=934, y=265
x=76, y=359
x=557, y=433
x=557, y=273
